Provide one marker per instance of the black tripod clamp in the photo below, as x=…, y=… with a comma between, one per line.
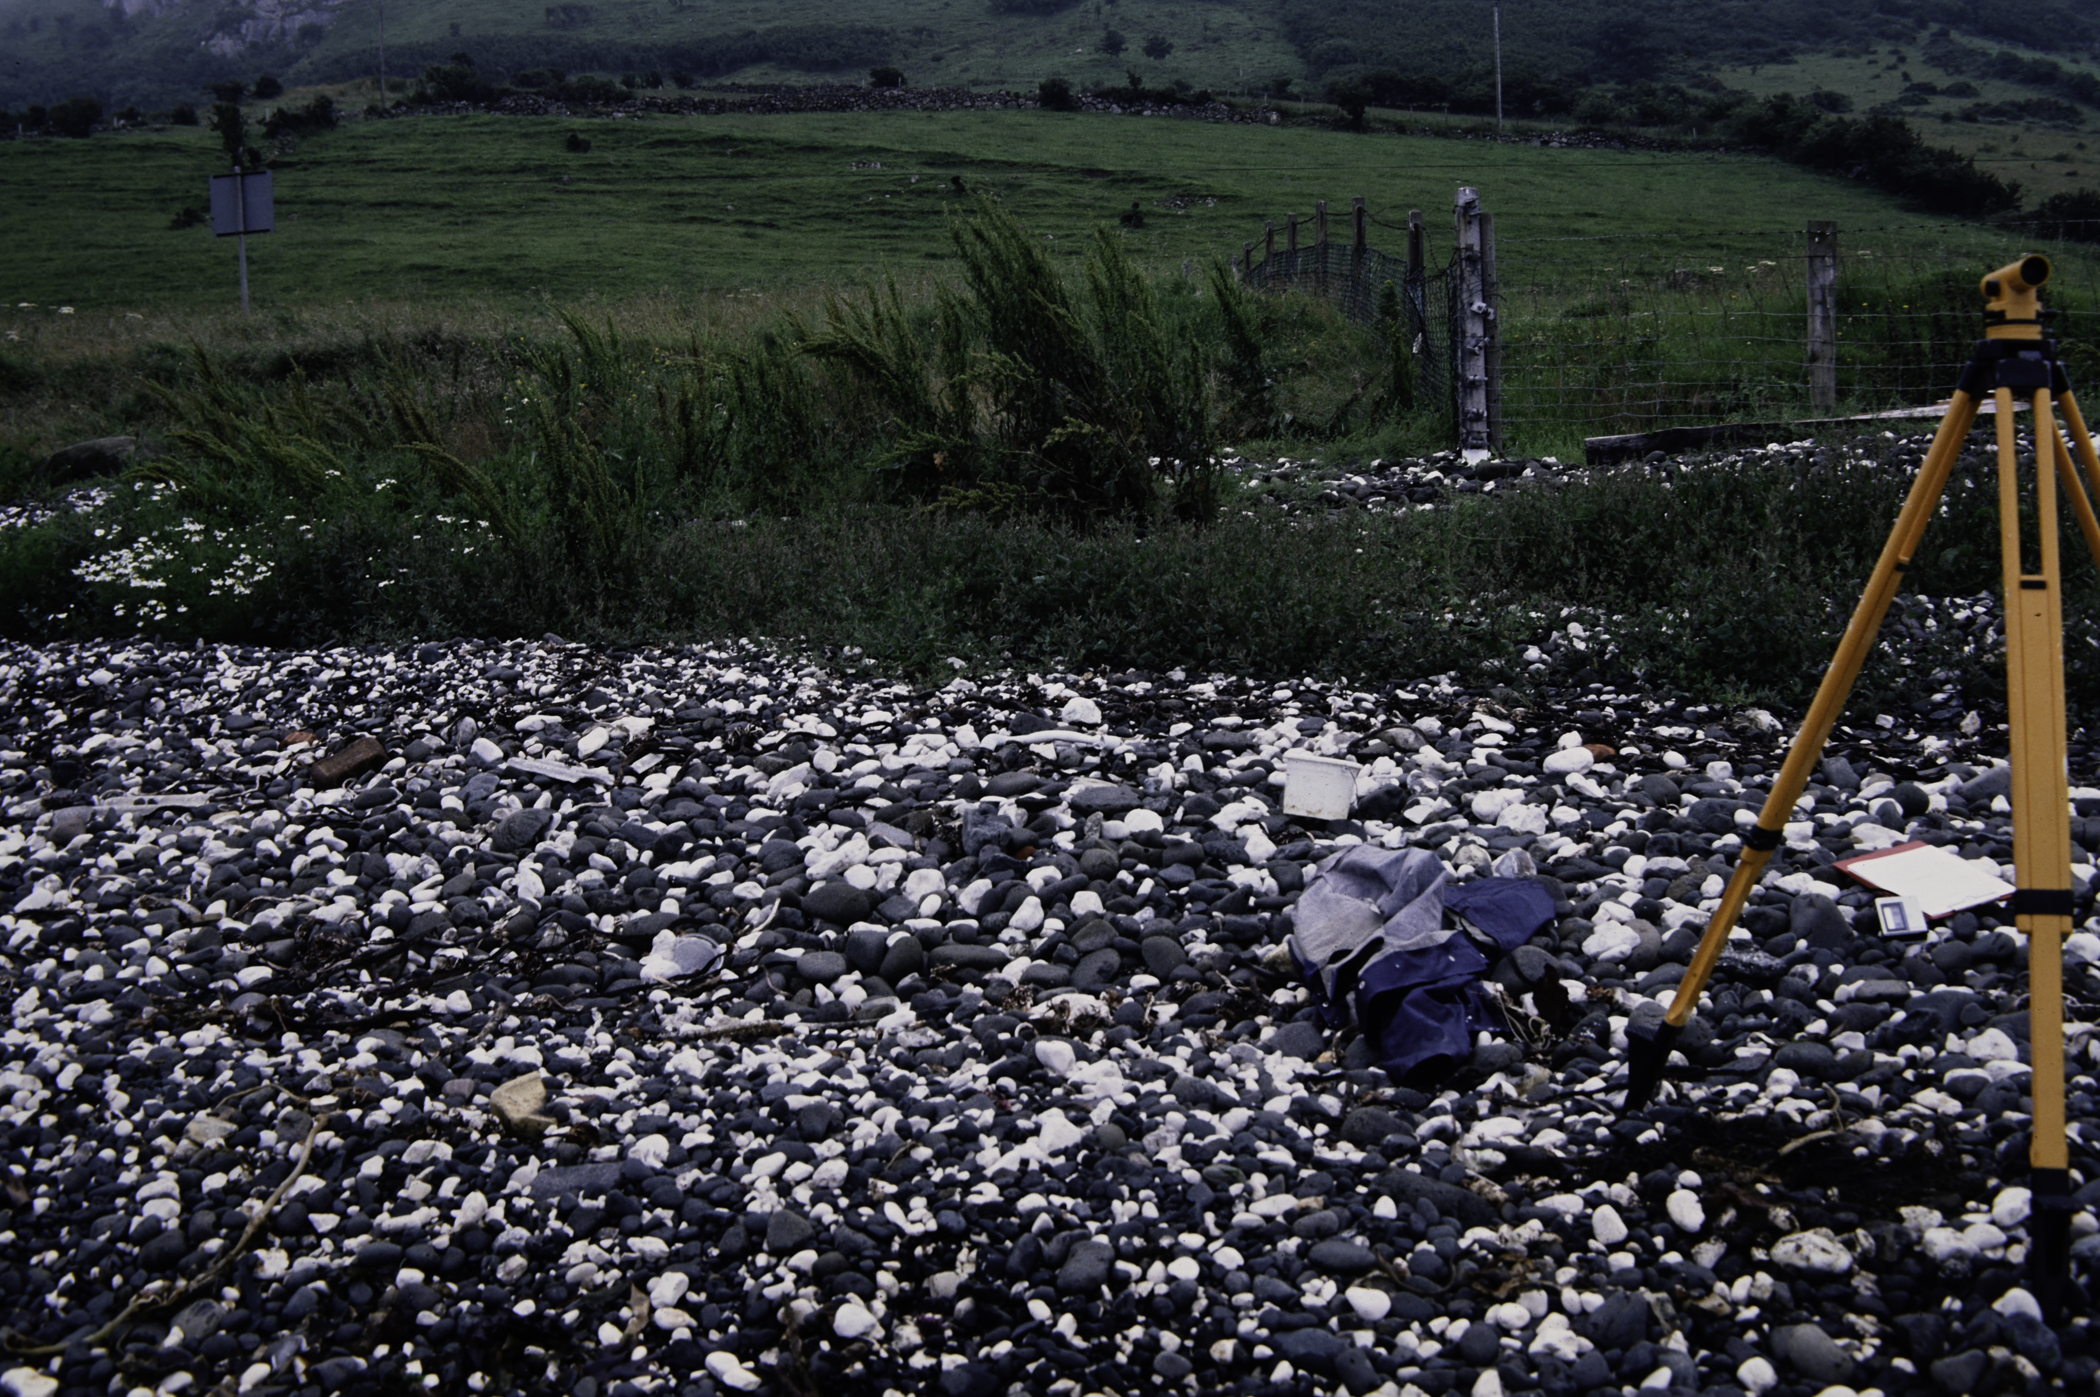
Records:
x=2025, y=366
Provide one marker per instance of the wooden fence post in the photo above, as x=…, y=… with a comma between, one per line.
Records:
x=1822, y=315
x=1268, y=240
x=1357, y=249
x=1474, y=439
x=1415, y=261
x=1246, y=262
x=1320, y=242
x=1291, y=232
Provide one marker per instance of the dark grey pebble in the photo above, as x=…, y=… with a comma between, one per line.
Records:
x=835, y=902
x=821, y=967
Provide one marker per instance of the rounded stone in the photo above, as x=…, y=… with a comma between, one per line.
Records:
x=821, y=967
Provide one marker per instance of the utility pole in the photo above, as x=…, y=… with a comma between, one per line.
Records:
x=1498, y=65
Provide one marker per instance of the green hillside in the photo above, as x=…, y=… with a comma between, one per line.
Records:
x=2016, y=86
x=1411, y=52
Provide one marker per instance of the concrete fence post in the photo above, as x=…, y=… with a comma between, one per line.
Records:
x=1822, y=315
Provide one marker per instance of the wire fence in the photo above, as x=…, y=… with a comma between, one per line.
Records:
x=1661, y=339
x=1624, y=333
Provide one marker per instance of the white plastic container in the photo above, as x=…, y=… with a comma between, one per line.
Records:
x=1318, y=788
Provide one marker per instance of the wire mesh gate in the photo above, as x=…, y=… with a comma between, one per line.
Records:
x=1353, y=277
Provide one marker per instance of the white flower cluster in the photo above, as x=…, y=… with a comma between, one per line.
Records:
x=148, y=563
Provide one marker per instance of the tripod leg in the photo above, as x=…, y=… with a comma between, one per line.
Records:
x=1648, y=1047
x=2082, y=439
x=2034, y=671
x=2081, y=505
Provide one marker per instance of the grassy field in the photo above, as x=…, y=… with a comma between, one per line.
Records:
x=494, y=212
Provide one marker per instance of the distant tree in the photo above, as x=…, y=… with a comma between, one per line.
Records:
x=1280, y=85
x=628, y=81
x=183, y=114
x=652, y=80
x=1352, y=98
x=34, y=116
x=227, y=91
x=317, y=115
x=885, y=77
x=589, y=87
x=131, y=116
x=1055, y=95
x=2075, y=215
x=268, y=87
x=681, y=79
x=1113, y=42
x=231, y=128
x=1158, y=46
x=459, y=59
x=454, y=82
x=1824, y=100
x=75, y=117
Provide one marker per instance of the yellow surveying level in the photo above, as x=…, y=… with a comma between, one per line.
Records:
x=2015, y=357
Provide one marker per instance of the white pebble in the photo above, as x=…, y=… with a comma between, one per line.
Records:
x=28, y=1382
x=1685, y=1210
x=729, y=1370
x=1993, y=1045
x=1757, y=1375
x=852, y=1321
x=1371, y=1305
x=2012, y=1206
x=1568, y=761
x=1815, y=1251
x=1080, y=712
x=1607, y=1226
x=1508, y=1315
x=2018, y=1301
x=1056, y=1055
x=669, y=1288
x=1611, y=941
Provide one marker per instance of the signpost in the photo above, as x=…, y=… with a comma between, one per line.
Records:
x=243, y=203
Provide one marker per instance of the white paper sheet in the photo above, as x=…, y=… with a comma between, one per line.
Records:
x=1940, y=882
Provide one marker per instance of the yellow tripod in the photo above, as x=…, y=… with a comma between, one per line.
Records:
x=2014, y=358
